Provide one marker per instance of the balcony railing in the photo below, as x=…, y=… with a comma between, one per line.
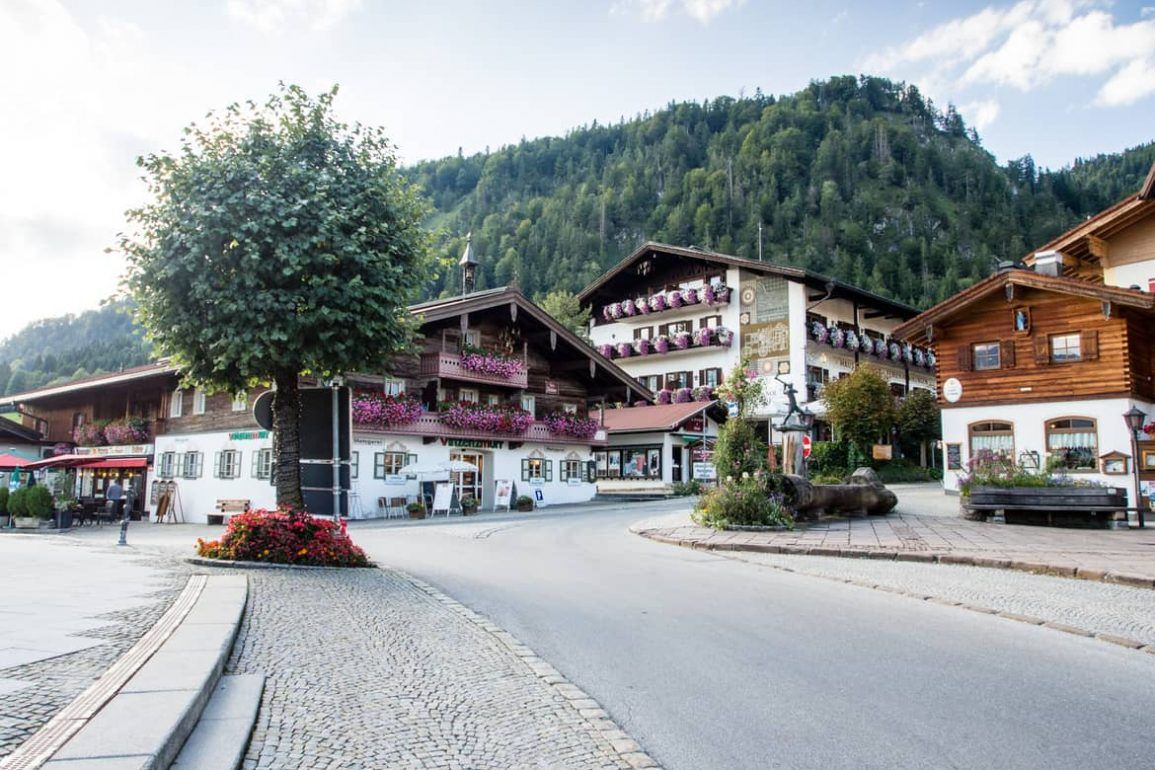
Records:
x=429, y=425
x=448, y=366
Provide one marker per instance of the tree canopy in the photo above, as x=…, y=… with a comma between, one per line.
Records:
x=278, y=241
x=860, y=407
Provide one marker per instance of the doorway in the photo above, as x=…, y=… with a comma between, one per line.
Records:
x=470, y=483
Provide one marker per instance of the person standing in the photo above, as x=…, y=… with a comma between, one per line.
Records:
x=115, y=493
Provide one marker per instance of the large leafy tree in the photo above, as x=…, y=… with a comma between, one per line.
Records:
x=566, y=308
x=860, y=407
x=278, y=242
x=919, y=420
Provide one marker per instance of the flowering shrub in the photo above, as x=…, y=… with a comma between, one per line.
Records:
x=703, y=393
x=819, y=332
x=625, y=349
x=380, y=410
x=895, y=350
x=752, y=500
x=641, y=305
x=131, y=430
x=642, y=346
x=284, y=536
x=837, y=337
x=662, y=344
x=725, y=336
x=665, y=396
x=466, y=415
x=487, y=362
x=606, y=350
x=90, y=434
x=683, y=396
x=674, y=299
x=690, y=296
x=682, y=340
x=571, y=425
x=628, y=308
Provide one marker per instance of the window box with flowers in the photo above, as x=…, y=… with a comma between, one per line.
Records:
x=486, y=418
x=711, y=295
x=560, y=424
x=130, y=430
x=490, y=363
x=90, y=434
x=377, y=410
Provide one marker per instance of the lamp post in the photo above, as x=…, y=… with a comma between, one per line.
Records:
x=1134, y=418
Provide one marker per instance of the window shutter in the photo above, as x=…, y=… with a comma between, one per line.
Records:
x=525, y=470
x=218, y=459
x=200, y=458
x=964, y=358
x=237, y=464
x=548, y=469
x=1042, y=350
x=178, y=464
x=591, y=471
x=1090, y=345
x=1007, y=354
x=256, y=464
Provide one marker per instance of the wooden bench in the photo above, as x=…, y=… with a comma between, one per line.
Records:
x=228, y=508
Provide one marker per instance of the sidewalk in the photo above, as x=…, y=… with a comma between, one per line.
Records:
x=1121, y=556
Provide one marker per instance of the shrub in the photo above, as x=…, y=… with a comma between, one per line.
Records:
x=738, y=450
x=38, y=502
x=284, y=536
x=902, y=472
x=3, y=500
x=749, y=501
x=415, y=508
x=828, y=478
x=687, y=488
x=18, y=502
x=830, y=458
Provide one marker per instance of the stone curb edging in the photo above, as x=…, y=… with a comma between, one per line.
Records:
x=201, y=561
x=589, y=709
x=934, y=558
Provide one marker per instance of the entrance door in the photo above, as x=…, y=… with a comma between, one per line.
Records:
x=680, y=467
x=469, y=483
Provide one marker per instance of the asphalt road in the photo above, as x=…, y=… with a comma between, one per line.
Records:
x=716, y=663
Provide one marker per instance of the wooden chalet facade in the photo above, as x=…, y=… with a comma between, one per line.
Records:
x=1040, y=364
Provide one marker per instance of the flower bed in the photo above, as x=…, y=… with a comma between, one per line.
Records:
x=669, y=300
x=488, y=362
x=284, y=537
x=466, y=415
x=379, y=410
x=571, y=425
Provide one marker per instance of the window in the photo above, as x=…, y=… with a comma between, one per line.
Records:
x=468, y=394
x=674, y=327
x=263, y=464
x=569, y=408
x=529, y=404
x=711, y=377
x=176, y=403
x=572, y=469
x=493, y=399
x=191, y=465
x=641, y=463
x=77, y=420
x=985, y=356
x=652, y=381
x=816, y=379
x=644, y=333
x=1066, y=348
x=166, y=468
x=710, y=322
x=240, y=401
x=897, y=389
x=198, y=401
x=1073, y=443
x=608, y=464
x=442, y=395
x=996, y=437
x=536, y=468
x=473, y=338
x=227, y=464
x=394, y=387
x=675, y=380
x=387, y=464
x=355, y=465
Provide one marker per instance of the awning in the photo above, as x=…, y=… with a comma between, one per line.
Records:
x=59, y=461
x=116, y=462
x=9, y=461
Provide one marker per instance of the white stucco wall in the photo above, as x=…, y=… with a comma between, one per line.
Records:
x=1029, y=421
x=1136, y=274
x=198, y=496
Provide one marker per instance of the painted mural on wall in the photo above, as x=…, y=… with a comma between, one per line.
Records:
x=764, y=322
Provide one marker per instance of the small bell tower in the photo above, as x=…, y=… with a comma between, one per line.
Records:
x=468, y=265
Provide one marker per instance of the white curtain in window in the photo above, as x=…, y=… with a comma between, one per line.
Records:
x=1080, y=440
x=998, y=443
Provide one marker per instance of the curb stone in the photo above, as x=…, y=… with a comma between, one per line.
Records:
x=201, y=561
x=1135, y=581
x=626, y=748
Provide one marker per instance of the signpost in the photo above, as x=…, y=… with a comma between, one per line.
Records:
x=806, y=446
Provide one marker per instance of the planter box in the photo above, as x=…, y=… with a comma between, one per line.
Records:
x=1053, y=506
x=26, y=522
x=417, y=514
x=64, y=519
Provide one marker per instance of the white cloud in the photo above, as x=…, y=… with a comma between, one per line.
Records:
x=1028, y=45
x=702, y=11
x=272, y=16
x=980, y=114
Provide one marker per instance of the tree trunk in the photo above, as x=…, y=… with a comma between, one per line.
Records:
x=922, y=453
x=287, y=427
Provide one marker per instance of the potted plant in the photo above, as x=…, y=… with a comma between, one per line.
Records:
x=525, y=503
x=22, y=517
x=416, y=510
x=4, y=516
x=469, y=505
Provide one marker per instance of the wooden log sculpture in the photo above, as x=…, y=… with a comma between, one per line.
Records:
x=863, y=494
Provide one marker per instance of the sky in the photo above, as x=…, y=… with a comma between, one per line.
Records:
x=87, y=86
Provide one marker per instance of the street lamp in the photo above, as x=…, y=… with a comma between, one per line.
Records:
x=1134, y=418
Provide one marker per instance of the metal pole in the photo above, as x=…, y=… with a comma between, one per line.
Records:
x=1135, y=469
x=336, y=455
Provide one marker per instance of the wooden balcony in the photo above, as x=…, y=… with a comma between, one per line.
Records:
x=448, y=366
x=430, y=427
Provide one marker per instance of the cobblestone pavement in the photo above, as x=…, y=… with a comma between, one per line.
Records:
x=1115, y=612
x=32, y=693
x=367, y=670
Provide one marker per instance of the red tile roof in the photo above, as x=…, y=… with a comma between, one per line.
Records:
x=660, y=417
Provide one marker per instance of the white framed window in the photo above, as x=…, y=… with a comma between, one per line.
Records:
x=262, y=464
x=493, y=399
x=571, y=469
x=442, y=395
x=240, y=401
x=468, y=394
x=192, y=465
x=394, y=387
x=176, y=403
x=569, y=408
x=1073, y=443
x=354, y=464
x=986, y=356
x=166, y=468
x=387, y=464
x=996, y=436
x=1066, y=348
x=536, y=468
x=529, y=404
x=473, y=338
x=227, y=464
x=198, y=401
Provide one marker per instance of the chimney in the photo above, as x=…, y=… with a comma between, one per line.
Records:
x=1049, y=263
x=468, y=266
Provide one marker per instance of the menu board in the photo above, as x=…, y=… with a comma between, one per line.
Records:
x=954, y=457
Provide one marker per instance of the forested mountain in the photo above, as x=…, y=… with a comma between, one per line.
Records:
x=860, y=178
x=71, y=346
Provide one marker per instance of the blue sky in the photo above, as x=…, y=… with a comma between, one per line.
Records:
x=103, y=82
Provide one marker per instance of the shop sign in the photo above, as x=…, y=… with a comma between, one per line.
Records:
x=114, y=451
x=695, y=424
x=473, y=443
x=705, y=471
x=551, y=388
x=248, y=435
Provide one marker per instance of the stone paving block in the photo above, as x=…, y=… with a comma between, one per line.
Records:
x=119, y=724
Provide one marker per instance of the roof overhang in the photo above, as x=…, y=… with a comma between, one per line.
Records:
x=98, y=381
x=657, y=418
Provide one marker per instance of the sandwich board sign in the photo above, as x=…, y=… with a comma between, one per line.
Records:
x=539, y=497
x=502, y=494
x=444, y=500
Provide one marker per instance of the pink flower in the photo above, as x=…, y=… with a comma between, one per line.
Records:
x=625, y=349
x=571, y=425
x=665, y=396
x=495, y=364
x=379, y=410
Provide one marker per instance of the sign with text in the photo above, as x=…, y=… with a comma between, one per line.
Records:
x=705, y=471
x=473, y=443
x=502, y=494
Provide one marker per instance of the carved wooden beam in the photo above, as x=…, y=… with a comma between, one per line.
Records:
x=513, y=311
x=552, y=339
x=1097, y=247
